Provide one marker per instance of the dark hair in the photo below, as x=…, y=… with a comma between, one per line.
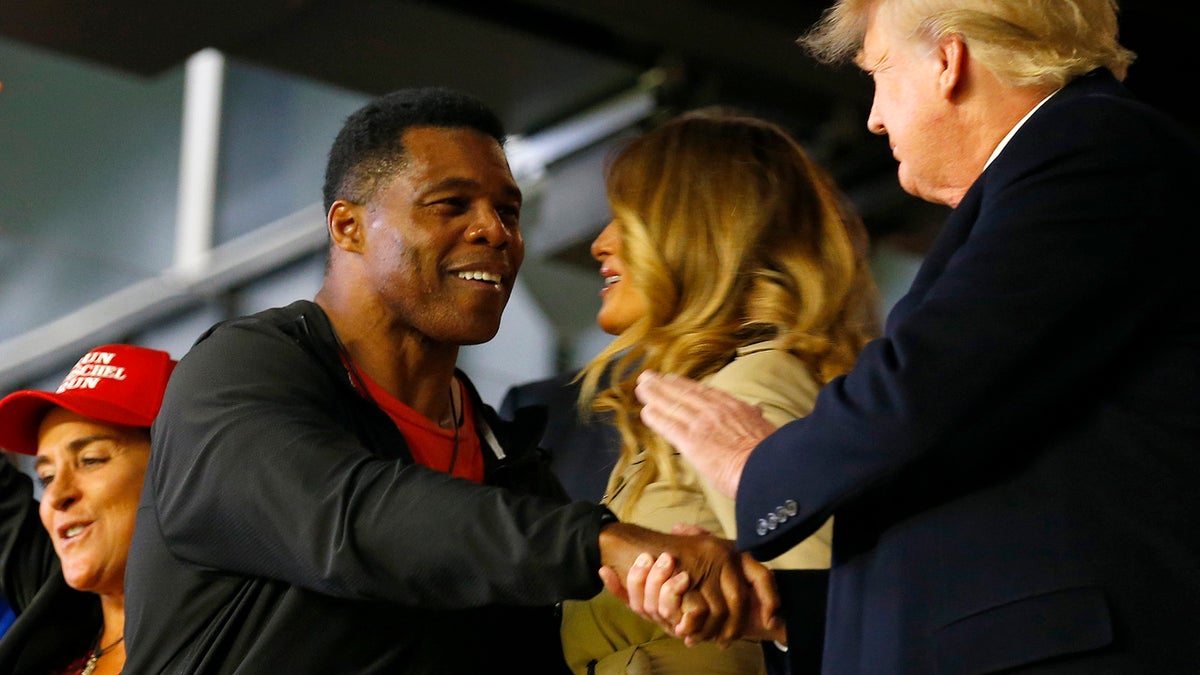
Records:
x=370, y=147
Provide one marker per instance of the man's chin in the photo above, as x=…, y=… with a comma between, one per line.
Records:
x=469, y=343
x=476, y=335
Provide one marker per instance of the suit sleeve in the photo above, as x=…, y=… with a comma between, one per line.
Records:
x=252, y=472
x=1047, y=270
x=780, y=385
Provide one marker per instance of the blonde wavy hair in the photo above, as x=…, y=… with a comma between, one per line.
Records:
x=1043, y=43
x=734, y=236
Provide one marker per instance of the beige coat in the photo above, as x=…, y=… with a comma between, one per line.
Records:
x=603, y=628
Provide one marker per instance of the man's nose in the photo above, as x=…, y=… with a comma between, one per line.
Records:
x=489, y=227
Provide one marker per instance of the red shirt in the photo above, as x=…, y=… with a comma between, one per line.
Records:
x=457, y=451
x=74, y=667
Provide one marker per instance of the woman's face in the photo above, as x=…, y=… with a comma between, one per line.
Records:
x=92, y=476
x=621, y=303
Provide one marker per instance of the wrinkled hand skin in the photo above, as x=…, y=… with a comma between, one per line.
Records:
x=715, y=431
x=719, y=594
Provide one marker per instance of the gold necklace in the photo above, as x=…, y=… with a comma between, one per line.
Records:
x=97, y=652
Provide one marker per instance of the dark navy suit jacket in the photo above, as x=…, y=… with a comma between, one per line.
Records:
x=1014, y=467
x=582, y=451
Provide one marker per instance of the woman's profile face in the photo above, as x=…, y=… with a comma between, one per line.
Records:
x=92, y=476
x=621, y=303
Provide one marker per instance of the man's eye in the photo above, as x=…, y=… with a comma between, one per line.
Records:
x=455, y=203
x=45, y=479
x=92, y=461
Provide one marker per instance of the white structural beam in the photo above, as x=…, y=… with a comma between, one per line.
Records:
x=530, y=155
x=235, y=263
x=202, y=271
x=204, y=78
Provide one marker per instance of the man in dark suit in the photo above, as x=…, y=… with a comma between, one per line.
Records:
x=1012, y=469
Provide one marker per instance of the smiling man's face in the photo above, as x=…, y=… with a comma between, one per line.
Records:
x=442, y=240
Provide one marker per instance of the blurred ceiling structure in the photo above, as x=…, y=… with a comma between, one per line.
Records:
x=539, y=62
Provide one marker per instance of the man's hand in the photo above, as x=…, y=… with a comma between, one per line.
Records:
x=713, y=598
x=653, y=590
x=713, y=430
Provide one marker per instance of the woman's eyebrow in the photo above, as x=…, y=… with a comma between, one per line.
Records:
x=75, y=446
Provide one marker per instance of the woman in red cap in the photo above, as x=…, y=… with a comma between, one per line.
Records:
x=90, y=440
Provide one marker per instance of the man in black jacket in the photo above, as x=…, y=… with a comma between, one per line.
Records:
x=328, y=494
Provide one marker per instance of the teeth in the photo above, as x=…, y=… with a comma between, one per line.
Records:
x=74, y=530
x=609, y=281
x=480, y=276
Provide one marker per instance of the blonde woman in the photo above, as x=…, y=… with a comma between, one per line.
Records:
x=731, y=258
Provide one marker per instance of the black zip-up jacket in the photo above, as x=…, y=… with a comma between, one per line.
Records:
x=284, y=527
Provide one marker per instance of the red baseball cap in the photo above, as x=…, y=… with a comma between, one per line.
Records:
x=115, y=384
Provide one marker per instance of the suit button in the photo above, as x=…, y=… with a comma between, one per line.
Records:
x=781, y=514
x=772, y=521
x=761, y=526
x=791, y=507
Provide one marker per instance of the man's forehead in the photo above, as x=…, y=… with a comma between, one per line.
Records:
x=870, y=60
x=455, y=156
x=449, y=144
x=431, y=132
x=874, y=50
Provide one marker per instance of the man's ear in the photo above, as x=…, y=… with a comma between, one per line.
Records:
x=953, y=54
x=346, y=221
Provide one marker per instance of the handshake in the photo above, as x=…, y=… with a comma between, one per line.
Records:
x=698, y=588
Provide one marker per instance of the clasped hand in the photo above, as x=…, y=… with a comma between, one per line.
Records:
x=700, y=588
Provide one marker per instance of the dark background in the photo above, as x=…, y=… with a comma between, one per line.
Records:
x=714, y=52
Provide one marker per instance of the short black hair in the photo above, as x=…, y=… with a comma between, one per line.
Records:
x=370, y=147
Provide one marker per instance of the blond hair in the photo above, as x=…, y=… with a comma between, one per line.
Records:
x=1043, y=43
x=734, y=236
